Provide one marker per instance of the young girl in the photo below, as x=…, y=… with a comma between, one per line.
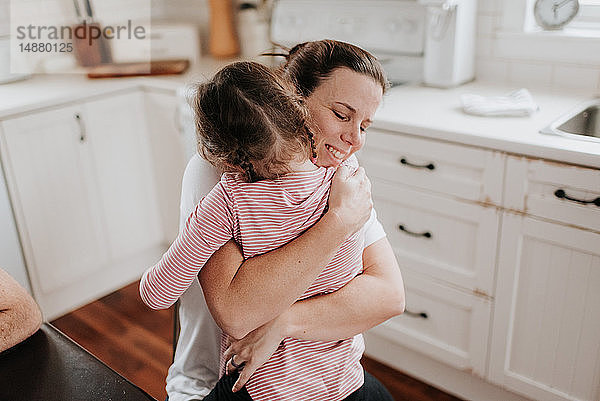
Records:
x=252, y=125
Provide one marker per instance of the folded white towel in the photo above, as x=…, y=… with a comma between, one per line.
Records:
x=517, y=103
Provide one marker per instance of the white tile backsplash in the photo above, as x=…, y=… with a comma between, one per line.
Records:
x=486, y=24
x=567, y=76
x=486, y=7
x=483, y=46
x=4, y=17
x=535, y=74
x=489, y=70
x=526, y=71
x=189, y=11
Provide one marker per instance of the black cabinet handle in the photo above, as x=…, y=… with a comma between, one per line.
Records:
x=429, y=166
x=422, y=315
x=82, y=132
x=426, y=234
x=561, y=194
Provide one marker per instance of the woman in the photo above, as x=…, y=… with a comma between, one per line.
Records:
x=342, y=86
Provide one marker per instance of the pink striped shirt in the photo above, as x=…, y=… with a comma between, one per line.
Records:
x=262, y=216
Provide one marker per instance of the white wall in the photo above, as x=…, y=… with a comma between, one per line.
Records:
x=489, y=65
x=524, y=71
x=190, y=11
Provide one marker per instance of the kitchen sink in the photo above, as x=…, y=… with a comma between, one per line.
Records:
x=581, y=123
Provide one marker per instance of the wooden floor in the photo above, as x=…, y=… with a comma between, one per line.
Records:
x=137, y=342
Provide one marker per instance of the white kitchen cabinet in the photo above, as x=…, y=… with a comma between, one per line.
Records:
x=83, y=198
x=48, y=169
x=554, y=191
x=117, y=134
x=169, y=156
x=449, y=169
x=439, y=205
x=546, y=330
x=439, y=236
x=546, y=335
x=443, y=323
x=11, y=255
x=501, y=260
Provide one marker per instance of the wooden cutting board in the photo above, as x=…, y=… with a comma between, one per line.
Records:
x=155, y=67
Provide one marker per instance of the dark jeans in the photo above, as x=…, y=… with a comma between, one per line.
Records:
x=372, y=390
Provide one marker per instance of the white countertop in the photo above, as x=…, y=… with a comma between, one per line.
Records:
x=437, y=113
x=417, y=110
x=56, y=89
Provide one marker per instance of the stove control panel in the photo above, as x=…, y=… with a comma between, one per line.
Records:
x=382, y=26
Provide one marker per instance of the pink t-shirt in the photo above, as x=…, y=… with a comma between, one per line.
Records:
x=262, y=216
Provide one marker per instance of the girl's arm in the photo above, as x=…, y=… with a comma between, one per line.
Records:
x=206, y=230
x=244, y=297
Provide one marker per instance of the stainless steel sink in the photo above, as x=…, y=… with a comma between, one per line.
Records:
x=581, y=123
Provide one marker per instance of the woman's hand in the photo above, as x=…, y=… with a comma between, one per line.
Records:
x=254, y=350
x=350, y=198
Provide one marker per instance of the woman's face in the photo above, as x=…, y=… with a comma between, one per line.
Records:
x=341, y=109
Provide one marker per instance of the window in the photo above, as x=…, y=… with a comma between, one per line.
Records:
x=585, y=22
x=588, y=16
x=519, y=37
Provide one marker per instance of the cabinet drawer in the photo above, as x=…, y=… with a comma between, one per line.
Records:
x=441, y=322
x=554, y=191
x=445, y=238
x=461, y=171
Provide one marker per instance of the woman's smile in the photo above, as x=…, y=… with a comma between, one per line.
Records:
x=341, y=109
x=341, y=156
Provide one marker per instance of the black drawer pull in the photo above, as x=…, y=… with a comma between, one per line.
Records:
x=82, y=132
x=561, y=194
x=422, y=315
x=429, y=166
x=426, y=234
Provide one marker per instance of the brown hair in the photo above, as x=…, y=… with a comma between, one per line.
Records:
x=251, y=121
x=309, y=63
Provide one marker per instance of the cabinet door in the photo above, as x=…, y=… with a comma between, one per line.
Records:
x=117, y=133
x=48, y=169
x=546, y=331
x=165, y=125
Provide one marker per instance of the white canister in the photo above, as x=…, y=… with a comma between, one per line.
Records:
x=253, y=30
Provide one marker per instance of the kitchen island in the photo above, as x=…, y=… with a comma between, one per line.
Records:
x=50, y=366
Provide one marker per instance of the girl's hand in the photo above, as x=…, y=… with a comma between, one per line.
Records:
x=253, y=350
x=350, y=198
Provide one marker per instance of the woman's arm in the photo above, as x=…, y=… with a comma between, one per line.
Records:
x=367, y=300
x=20, y=316
x=244, y=297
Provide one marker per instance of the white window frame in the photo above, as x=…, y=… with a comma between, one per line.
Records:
x=519, y=37
x=588, y=16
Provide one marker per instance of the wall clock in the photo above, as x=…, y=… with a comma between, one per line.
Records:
x=555, y=14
